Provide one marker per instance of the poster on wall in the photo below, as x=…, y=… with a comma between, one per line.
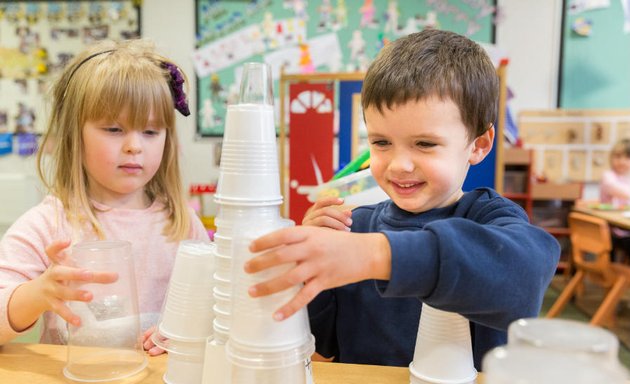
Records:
x=299, y=36
x=37, y=39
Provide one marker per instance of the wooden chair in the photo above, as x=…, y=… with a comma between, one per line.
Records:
x=591, y=252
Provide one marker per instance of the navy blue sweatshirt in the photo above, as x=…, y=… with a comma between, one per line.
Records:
x=479, y=257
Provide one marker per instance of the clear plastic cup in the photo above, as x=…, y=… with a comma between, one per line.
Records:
x=187, y=313
x=527, y=365
x=443, y=352
x=253, y=323
x=108, y=344
x=256, y=84
x=566, y=336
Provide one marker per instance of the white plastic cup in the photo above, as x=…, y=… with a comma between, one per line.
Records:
x=108, y=344
x=565, y=336
x=247, y=174
x=216, y=367
x=256, y=84
x=528, y=365
x=187, y=313
x=184, y=369
x=443, y=352
x=252, y=321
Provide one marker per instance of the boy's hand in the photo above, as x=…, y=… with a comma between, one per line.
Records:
x=324, y=259
x=327, y=212
x=149, y=345
x=54, y=284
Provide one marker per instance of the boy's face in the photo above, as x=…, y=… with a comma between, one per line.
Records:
x=420, y=152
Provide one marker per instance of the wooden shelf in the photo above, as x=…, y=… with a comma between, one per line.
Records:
x=547, y=204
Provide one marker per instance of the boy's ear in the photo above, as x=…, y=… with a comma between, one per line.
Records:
x=482, y=146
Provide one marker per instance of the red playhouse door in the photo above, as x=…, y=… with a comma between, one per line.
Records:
x=311, y=116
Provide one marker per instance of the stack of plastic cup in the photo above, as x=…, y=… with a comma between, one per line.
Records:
x=187, y=314
x=249, y=180
x=248, y=190
x=443, y=352
x=261, y=349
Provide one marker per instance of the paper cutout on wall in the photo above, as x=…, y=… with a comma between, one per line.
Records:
x=26, y=144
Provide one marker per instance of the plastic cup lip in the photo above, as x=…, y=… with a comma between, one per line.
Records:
x=177, y=344
x=269, y=358
x=247, y=201
x=469, y=379
x=98, y=245
x=68, y=374
x=598, y=340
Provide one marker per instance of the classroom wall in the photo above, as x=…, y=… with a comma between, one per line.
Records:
x=527, y=34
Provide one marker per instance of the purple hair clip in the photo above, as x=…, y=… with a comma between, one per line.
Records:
x=176, y=83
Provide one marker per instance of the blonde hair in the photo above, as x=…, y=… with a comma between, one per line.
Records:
x=100, y=83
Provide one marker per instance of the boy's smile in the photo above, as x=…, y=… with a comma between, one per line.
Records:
x=420, y=152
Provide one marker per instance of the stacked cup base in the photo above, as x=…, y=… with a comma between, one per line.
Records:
x=443, y=352
x=187, y=316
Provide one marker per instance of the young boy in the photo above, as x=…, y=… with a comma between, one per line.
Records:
x=429, y=101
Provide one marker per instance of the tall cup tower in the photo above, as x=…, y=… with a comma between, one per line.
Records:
x=248, y=199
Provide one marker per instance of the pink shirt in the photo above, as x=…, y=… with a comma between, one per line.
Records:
x=615, y=189
x=22, y=256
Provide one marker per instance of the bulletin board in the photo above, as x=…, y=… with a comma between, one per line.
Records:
x=304, y=37
x=37, y=39
x=595, y=55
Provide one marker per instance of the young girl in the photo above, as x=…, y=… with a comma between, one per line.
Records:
x=112, y=173
x=614, y=189
x=615, y=184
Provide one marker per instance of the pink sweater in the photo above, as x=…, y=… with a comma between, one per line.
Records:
x=615, y=189
x=22, y=256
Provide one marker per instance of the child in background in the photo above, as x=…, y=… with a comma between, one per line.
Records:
x=429, y=102
x=113, y=173
x=614, y=189
x=615, y=184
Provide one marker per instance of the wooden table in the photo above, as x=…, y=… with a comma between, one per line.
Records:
x=43, y=363
x=617, y=218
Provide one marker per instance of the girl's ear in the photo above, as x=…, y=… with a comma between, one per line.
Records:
x=482, y=145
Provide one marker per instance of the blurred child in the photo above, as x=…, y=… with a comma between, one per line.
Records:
x=614, y=189
x=615, y=183
x=112, y=173
x=429, y=101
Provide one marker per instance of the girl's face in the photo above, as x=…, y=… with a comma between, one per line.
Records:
x=620, y=163
x=119, y=161
x=420, y=152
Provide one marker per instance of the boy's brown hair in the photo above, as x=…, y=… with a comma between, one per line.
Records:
x=435, y=63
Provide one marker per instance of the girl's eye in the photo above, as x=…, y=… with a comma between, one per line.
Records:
x=151, y=132
x=112, y=129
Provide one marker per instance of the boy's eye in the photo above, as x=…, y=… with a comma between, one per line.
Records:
x=380, y=143
x=425, y=144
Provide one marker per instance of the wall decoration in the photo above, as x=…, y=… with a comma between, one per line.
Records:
x=37, y=39
x=299, y=36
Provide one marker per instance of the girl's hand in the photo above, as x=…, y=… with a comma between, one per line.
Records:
x=54, y=284
x=323, y=259
x=327, y=212
x=149, y=345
